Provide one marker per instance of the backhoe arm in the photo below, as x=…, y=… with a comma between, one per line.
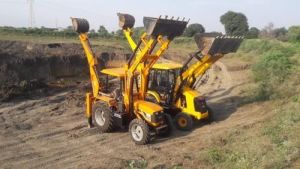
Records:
x=92, y=61
x=81, y=26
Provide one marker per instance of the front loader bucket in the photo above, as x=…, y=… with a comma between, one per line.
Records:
x=211, y=43
x=165, y=27
x=80, y=25
x=126, y=21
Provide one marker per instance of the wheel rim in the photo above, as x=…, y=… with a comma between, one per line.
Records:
x=137, y=132
x=99, y=117
x=182, y=122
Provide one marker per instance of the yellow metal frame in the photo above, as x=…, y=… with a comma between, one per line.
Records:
x=142, y=62
x=189, y=76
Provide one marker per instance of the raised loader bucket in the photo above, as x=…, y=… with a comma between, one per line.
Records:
x=165, y=27
x=80, y=25
x=211, y=43
x=126, y=20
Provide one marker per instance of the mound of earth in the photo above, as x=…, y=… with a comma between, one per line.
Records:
x=26, y=66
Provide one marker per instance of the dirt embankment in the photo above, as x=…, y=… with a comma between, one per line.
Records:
x=25, y=66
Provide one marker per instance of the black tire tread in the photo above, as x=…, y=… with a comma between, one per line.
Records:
x=190, y=121
x=109, y=120
x=147, y=136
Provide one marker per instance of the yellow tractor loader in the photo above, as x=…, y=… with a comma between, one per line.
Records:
x=173, y=85
x=119, y=101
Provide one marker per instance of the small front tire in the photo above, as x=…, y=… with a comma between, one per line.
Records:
x=184, y=121
x=139, y=131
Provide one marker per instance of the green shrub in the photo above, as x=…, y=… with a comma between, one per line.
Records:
x=294, y=34
x=270, y=72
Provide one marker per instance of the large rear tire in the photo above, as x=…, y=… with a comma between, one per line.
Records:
x=139, y=131
x=103, y=117
x=184, y=121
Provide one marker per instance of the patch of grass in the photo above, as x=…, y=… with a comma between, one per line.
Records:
x=137, y=164
x=272, y=144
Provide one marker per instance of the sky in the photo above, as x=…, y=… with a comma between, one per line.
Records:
x=57, y=13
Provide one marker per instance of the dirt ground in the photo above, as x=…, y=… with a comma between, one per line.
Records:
x=48, y=129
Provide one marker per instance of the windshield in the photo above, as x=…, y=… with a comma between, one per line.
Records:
x=162, y=80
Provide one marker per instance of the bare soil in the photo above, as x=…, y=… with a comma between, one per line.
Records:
x=48, y=129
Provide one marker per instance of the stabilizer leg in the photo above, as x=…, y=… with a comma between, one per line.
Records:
x=89, y=102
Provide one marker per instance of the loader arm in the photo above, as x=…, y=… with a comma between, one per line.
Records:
x=152, y=44
x=212, y=48
x=127, y=34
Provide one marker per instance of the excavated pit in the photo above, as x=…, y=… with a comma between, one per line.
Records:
x=26, y=66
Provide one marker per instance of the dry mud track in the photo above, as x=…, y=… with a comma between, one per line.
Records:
x=51, y=132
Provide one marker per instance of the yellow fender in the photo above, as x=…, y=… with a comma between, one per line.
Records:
x=154, y=94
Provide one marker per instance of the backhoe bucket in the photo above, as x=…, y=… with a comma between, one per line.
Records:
x=126, y=21
x=165, y=27
x=211, y=43
x=80, y=25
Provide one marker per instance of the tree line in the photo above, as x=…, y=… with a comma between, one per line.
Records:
x=235, y=23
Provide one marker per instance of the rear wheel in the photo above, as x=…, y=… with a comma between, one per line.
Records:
x=139, y=131
x=103, y=117
x=184, y=121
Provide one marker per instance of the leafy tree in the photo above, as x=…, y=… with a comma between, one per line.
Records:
x=235, y=23
x=253, y=33
x=92, y=31
x=137, y=32
x=294, y=33
x=119, y=32
x=266, y=32
x=193, y=29
x=102, y=31
x=278, y=32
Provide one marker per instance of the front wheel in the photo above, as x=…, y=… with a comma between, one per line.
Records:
x=184, y=121
x=139, y=131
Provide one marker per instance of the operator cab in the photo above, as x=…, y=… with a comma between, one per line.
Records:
x=162, y=79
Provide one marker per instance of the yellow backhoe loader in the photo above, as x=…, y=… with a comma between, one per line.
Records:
x=173, y=85
x=120, y=99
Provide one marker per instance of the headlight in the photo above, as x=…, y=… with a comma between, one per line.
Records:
x=147, y=116
x=157, y=117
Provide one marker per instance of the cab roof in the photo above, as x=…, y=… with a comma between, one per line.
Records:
x=167, y=66
x=117, y=72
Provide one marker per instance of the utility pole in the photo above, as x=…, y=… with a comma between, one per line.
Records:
x=31, y=13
